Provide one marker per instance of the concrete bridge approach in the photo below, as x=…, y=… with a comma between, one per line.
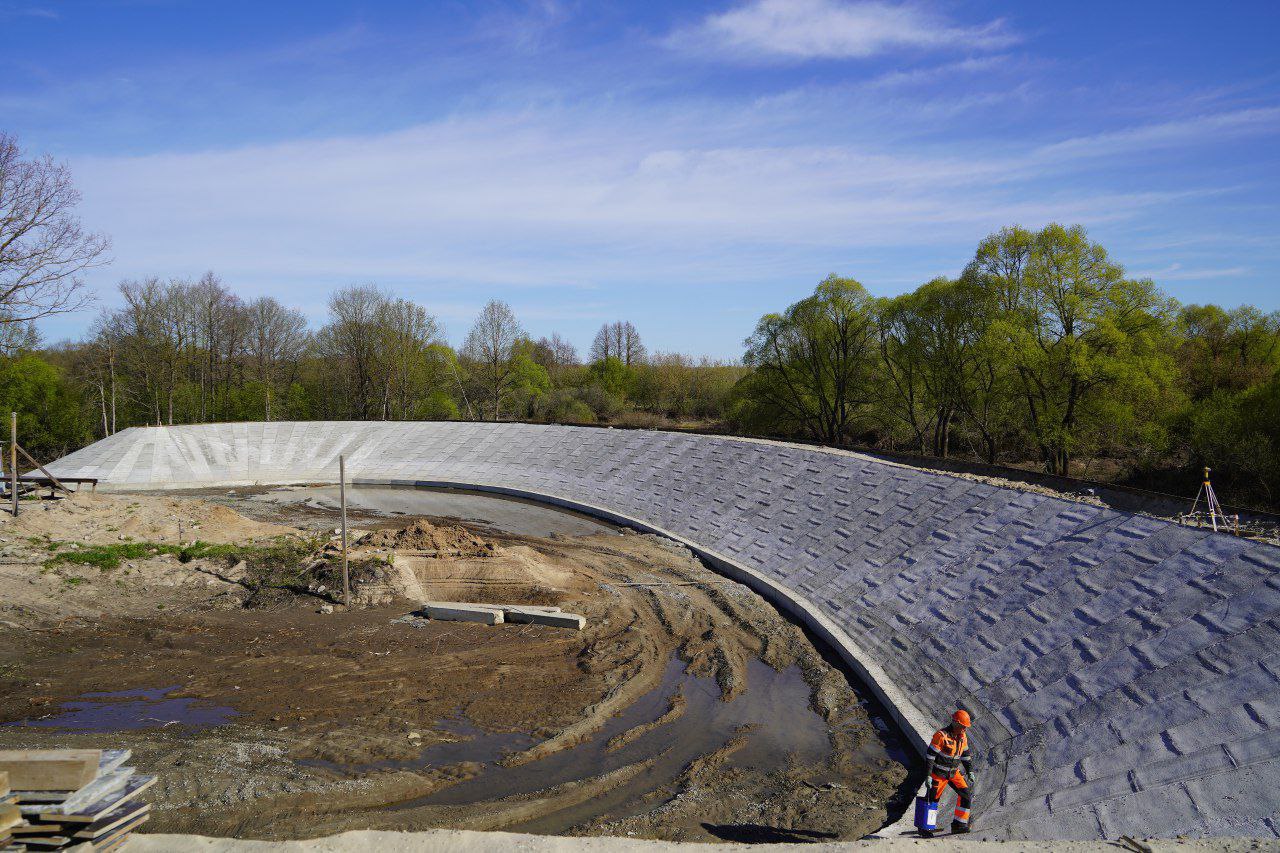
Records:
x=1122, y=670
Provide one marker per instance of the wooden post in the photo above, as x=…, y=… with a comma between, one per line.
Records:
x=342, y=498
x=13, y=461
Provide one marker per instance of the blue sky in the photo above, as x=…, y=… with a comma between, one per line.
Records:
x=687, y=166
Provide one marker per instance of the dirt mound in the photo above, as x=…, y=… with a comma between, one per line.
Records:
x=422, y=535
x=105, y=517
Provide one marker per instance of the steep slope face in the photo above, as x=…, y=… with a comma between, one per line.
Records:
x=1120, y=668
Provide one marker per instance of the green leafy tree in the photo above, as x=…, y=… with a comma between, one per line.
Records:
x=1226, y=350
x=611, y=374
x=1234, y=433
x=52, y=420
x=1089, y=346
x=529, y=380
x=814, y=363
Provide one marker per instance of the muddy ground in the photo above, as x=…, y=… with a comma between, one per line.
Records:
x=688, y=709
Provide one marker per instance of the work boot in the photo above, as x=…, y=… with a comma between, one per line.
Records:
x=958, y=828
x=926, y=833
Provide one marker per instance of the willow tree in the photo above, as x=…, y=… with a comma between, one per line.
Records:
x=942, y=369
x=1089, y=346
x=814, y=363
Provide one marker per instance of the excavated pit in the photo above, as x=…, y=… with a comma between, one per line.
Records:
x=687, y=708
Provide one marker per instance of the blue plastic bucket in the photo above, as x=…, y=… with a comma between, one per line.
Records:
x=926, y=814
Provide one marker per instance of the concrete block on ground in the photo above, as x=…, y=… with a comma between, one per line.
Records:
x=451, y=611
x=543, y=616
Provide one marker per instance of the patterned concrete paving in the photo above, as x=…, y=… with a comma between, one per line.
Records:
x=1122, y=670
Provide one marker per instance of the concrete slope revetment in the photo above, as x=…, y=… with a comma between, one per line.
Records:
x=1122, y=670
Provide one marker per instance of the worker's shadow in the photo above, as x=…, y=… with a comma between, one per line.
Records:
x=754, y=833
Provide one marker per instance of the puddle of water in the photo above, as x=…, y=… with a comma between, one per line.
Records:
x=473, y=744
x=129, y=710
x=776, y=706
x=508, y=515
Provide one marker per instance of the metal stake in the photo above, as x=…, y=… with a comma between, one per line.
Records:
x=342, y=497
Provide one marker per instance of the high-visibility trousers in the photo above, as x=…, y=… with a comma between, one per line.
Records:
x=964, y=793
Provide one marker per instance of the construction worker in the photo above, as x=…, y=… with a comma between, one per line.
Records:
x=948, y=751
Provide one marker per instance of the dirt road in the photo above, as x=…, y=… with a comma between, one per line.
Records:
x=688, y=708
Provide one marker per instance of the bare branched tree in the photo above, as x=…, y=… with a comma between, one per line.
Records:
x=490, y=345
x=555, y=354
x=101, y=365
x=564, y=353
x=43, y=249
x=407, y=367
x=618, y=340
x=351, y=340
x=275, y=343
x=18, y=337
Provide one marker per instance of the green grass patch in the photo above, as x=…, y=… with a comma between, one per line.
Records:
x=274, y=563
x=283, y=565
x=104, y=557
x=282, y=555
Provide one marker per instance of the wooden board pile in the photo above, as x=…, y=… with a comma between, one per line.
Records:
x=69, y=799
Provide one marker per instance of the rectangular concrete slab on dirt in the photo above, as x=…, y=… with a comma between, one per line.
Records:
x=540, y=616
x=447, y=611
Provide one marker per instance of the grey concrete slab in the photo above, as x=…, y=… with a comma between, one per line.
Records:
x=543, y=616
x=1119, y=667
x=456, y=611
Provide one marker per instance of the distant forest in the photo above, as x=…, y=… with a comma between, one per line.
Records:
x=1042, y=353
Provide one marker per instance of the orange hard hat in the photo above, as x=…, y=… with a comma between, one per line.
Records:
x=962, y=717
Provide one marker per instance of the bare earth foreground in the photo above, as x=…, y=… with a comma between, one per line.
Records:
x=689, y=709
x=445, y=841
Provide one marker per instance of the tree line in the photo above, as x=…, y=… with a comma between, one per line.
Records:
x=1043, y=352
x=183, y=351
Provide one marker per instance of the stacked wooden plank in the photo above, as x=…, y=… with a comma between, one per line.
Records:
x=70, y=799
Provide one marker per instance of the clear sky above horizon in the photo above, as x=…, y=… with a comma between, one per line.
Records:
x=686, y=166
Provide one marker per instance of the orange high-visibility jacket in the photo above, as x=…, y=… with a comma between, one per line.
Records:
x=948, y=753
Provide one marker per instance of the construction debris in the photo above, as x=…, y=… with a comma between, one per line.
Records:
x=497, y=614
x=69, y=799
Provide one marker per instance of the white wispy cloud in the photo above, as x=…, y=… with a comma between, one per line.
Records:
x=1178, y=272
x=562, y=198
x=794, y=30
x=21, y=10
x=527, y=26
x=1219, y=125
